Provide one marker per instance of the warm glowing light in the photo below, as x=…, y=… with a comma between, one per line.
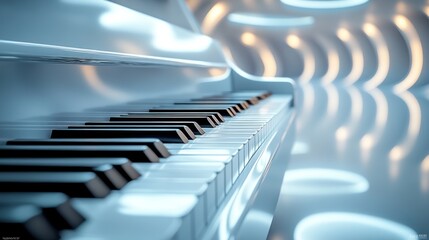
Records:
x=193, y=4
x=338, y=225
x=332, y=4
x=216, y=71
x=370, y=29
x=227, y=52
x=367, y=141
x=396, y=154
x=91, y=76
x=426, y=10
x=425, y=164
x=382, y=111
x=310, y=63
x=342, y=134
x=382, y=108
x=356, y=53
x=214, y=16
x=258, y=20
x=383, y=57
x=416, y=52
x=343, y=34
x=424, y=175
x=414, y=124
x=129, y=47
x=267, y=57
x=293, y=41
x=333, y=62
x=401, y=22
x=248, y=39
x=268, y=60
x=345, y=131
x=319, y=181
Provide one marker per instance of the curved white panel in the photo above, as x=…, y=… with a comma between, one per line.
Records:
x=324, y=4
x=261, y=20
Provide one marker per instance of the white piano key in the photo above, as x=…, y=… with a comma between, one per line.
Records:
x=200, y=216
x=235, y=154
x=231, y=131
x=122, y=215
x=226, y=140
x=243, y=154
x=188, y=175
x=225, y=159
x=216, y=137
x=217, y=168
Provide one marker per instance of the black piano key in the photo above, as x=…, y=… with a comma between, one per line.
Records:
x=214, y=116
x=227, y=111
x=165, y=135
x=105, y=172
x=257, y=94
x=251, y=101
x=74, y=184
x=133, y=153
x=194, y=126
x=236, y=107
x=154, y=144
x=25, y=221
x=56, y=207
x=202, y=121
x=189, y=134
x=108, y=174
x=243, y=104
x=122, y=165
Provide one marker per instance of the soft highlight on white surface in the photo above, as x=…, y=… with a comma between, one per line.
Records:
x=259, y=20
x=334, y=4
x=320, y=181
x=343, y=225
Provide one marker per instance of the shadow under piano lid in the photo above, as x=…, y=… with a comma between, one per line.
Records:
x=68, y=63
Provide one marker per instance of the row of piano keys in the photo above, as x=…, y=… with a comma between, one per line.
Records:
x=193, y=150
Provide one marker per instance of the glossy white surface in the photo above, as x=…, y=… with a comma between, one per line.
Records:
x=317, y=181
x=259, y=20
x=337, y=225
x=359, y=169
x=98, y=32
x=333, y=4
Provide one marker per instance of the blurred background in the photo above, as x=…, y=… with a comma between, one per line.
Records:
x=360, y=163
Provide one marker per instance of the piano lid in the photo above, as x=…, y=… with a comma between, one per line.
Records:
x=98, y=32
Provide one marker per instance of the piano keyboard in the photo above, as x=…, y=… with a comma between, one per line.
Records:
x=161, y=169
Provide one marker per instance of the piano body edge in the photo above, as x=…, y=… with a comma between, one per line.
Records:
x=262, y=198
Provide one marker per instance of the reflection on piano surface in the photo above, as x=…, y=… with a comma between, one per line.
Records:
x=117, y=125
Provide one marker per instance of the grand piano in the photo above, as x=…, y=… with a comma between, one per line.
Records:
x=121, y=120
